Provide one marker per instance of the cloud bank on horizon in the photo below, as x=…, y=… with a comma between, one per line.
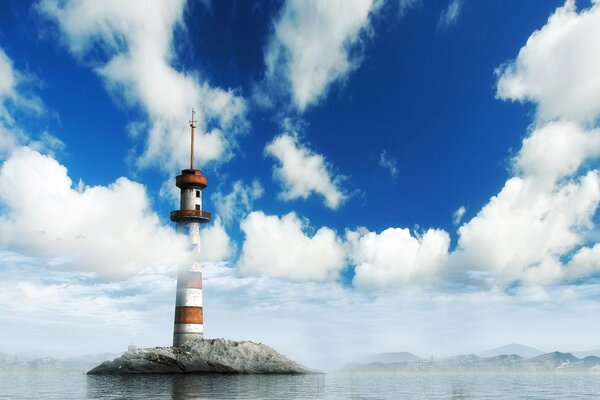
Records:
x=537, y=231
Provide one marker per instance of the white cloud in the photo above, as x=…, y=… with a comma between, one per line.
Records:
x=216, y=246
x=585, y=262
x=558, y=67
x=48, y=144
x=7, y=73
x=524, y=234
x=312, y=43
x=13, y=94
x=449, y=16
x=389, y=163
x=9, y=140
x=539, y=216
x=405, y=5
x=13, y=90
x=237, y=204
x=137, y=37
x=281, y=247
x=544, y=214
x=303, y=172
x=110, y=230
x=458, y=215
x=395, y=258
x=556, y=151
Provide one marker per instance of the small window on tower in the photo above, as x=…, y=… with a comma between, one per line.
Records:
x=197, y=193
x=197, y=207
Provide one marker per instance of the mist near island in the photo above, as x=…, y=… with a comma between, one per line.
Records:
x=345, y=326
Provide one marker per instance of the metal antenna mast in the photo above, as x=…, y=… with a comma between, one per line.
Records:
x=192, y=125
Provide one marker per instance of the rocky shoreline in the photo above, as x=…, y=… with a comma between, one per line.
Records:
x=202, y=356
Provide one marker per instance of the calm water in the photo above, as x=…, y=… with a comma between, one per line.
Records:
x=48, y=385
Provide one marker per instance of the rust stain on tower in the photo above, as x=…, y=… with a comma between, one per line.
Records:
x=189, y=217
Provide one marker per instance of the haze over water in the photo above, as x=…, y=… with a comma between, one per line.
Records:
x=392, y=385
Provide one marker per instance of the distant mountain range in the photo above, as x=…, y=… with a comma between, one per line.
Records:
x=81, y=363
x=512, y=357
x=513, y=348
x=584, y=354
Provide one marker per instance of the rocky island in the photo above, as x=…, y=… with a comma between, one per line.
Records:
x=202, y=356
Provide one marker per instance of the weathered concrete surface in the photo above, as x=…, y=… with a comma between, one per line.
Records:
x=202, y=356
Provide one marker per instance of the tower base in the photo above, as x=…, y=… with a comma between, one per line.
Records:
x=179, y=339
x=184, y=332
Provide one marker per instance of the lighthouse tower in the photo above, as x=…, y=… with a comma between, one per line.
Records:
x=189, y=217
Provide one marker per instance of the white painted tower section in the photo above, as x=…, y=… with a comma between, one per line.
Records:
x=189, y=289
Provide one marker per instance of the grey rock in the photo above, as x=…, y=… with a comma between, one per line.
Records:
x=202, y=356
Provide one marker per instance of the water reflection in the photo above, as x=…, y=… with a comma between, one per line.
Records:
x=458, y=393
x=413, y=386
x=211, y=386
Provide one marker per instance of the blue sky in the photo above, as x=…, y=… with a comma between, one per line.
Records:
x=395, y=160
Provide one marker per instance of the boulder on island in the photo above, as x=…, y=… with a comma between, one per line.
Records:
x=202, y=356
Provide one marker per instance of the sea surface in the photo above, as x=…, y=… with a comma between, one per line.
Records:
x=385, y=385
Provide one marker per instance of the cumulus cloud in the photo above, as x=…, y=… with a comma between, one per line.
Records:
x=216, y=245
x=313, y=45
x=526, y=233
x=558, y=67
x=388, y=162
x=136, y=37
x=449, y=16
x=537, y=229
x=395, y=258
x=303, y=172
x=458, y=215
x=585, y=262
x=238, y=202
x=540, y=215
x=555, y=151
x=282, y=247
x=110, y=229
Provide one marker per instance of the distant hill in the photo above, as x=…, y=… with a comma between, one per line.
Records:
x=584, y=354
x=388, y=358
x=555, y=355
x=554, y=359
x=513, y=348
x=590, y=361
x=388, y=362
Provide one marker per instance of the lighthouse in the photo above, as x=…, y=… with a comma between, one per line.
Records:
x=189, y=217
